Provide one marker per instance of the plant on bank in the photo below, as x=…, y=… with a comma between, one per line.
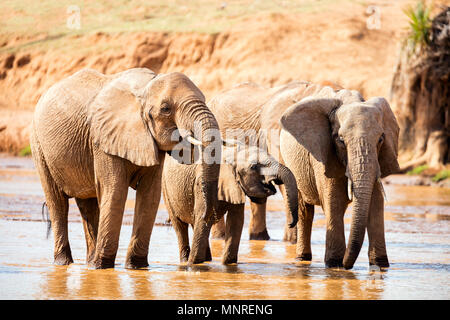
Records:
x=420, y=25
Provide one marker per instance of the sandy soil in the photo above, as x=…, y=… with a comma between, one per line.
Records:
x=336, y=46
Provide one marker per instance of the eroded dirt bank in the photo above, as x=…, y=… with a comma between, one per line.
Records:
x=332, y=47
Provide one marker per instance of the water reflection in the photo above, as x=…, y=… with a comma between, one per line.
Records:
x=417, y=235
x=212, y=281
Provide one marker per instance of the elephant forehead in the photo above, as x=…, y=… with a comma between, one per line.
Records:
x=358, y=114
x=132, y=80
x=175, y=80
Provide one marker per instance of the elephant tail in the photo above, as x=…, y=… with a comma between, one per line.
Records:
x=45, y=218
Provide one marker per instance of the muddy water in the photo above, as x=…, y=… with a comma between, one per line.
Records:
x=417, y=234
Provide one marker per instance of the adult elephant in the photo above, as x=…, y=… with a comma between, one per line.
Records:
x=337, y=145
x=244, y=171
x=95, y=135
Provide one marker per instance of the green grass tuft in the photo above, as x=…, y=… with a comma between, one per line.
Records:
x=25, y=151
x=417, y=170
x=420, y=25
x=441, y=175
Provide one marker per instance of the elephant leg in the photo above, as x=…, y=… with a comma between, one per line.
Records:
x=290, y=234
x=334, y=208
x=182, y=232
x=218, y=229
x=257, y=225
x=200, y=242
x=375, y=230
x=234, y=226
x=304, y=229
x=112, y=180
x=181, y=228
x=148, y=196
x=208, y=255
x=58, y=206
x=90, y=214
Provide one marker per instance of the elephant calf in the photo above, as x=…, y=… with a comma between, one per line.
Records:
x=252, y=172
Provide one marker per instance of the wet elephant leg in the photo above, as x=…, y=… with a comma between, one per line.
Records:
x=290, y=234
x=148, y=196
x=334, y=204
x=200, y=242
x=257, y=225
x=58, y=206
x=218, y=229
x=234, y=226
x=304, y=229
x=111, y=194
x=182, y=232
x=208, y=255
x=375, y=230
x=90, y=214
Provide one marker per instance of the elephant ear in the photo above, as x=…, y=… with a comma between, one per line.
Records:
x=117, y=127
x=389, y=149
x=309, y=123
x=229, y=189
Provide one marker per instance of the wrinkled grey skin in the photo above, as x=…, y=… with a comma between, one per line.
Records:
x=331, y=138
x=243, y=172
x=95, y=135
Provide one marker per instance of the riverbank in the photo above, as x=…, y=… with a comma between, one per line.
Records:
x=346, y=42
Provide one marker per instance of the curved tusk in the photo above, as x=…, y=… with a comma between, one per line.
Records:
x=382, y=189
x=194, y=141
x=349, y=189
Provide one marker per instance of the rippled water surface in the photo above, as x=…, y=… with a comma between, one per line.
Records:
x=417, y=223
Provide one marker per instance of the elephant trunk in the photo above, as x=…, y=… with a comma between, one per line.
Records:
x=362, y=170
x=287, y=178
x=202, y=124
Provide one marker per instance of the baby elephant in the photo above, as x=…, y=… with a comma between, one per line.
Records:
x=243, y=171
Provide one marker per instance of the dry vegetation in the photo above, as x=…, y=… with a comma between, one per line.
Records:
x=216, y=43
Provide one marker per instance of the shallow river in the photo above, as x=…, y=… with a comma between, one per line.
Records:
x=417, y=223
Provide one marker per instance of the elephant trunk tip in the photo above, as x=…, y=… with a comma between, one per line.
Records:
x=351, y=255
x=293, y=223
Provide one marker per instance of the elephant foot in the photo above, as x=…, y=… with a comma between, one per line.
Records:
x=208, y=256
x=63, y=258
x=195, y=261
x=334, y=263
x=102, y=263
x=184, y=254
x=304, y=257
x=229, y=260
x=381, y=262
x=263, y=235
x=135, y=262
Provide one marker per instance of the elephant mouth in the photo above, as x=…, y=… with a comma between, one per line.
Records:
x=269, y=188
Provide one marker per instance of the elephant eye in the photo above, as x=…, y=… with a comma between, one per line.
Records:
x=341, y=139
x=254, y=167
x=165, y=108
x=381, y=139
